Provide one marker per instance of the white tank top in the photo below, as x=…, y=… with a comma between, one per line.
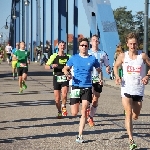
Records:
x=133, y=72
x=8, y=49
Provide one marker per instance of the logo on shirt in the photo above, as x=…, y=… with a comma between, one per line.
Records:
x=133, y=69
x=88, y=64
x=62, y=61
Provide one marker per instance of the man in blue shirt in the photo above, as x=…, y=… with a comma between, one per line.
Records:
x=81, y=91
x=102, y=58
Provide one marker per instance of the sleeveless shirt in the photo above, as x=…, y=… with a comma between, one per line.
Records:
x=133, y=73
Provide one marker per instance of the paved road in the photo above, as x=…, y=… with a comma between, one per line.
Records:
x=28, y=121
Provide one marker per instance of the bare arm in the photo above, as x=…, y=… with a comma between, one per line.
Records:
x=14, y=58
x=66, y=70
x=118, y=63
x=146, y=59
x=50, y=61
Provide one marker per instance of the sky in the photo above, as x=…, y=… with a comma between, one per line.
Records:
x=83, y=26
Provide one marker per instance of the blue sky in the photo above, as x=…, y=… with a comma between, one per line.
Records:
x=5, y=6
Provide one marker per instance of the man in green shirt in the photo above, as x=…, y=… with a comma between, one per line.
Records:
x=22, y=57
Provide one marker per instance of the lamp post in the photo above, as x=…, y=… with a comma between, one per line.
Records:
x=6, y=25
x=14, y=14
x=31, y=45
x=145, y=44
x=26, y=3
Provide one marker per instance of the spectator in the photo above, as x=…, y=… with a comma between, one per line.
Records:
x=47, y=51
x=119, y=50
x=8, y=50
x=38, y=53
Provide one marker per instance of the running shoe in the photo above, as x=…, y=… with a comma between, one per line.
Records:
x=91, y=122
x=21, y=90
x=132, y=145
x=79, y=139
x=59, y=115
x=24, y=85
x=64, y=111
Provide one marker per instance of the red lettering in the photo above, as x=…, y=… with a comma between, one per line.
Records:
x=131, y=69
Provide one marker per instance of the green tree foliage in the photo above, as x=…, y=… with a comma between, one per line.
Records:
x=127, y=22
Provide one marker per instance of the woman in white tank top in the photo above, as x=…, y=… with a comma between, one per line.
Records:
x=133, y=82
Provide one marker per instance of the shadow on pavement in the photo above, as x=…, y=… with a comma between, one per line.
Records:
x=27, y=103
x=42, y=125
x=40, y=73
x=97, y=132
x=116, y=115
x=4, y=75
x=29, y=92
x=37, y=119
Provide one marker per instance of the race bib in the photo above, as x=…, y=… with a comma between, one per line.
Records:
x=95, y=79
x=75, y=93
x=61, y=78
x=23, y=65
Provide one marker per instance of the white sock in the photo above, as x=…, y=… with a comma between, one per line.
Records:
x=93, y=111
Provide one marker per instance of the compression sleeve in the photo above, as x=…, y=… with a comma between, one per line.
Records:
x=51, y=59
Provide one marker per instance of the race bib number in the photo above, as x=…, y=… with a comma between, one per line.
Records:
x=23, y=65
x=95, y=79
x=61, y=78
x=136, y=69
x=75, y=93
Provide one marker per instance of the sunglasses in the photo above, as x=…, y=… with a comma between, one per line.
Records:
x=84, y=45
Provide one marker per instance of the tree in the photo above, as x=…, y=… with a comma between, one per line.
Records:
x=139, y=26
x=125, y=23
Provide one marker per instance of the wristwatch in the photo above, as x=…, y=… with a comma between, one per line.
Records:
x=148, y=75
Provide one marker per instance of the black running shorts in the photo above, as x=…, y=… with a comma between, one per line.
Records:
x=22, y=70
x=58, y=85
x=78, y=94
x=135, y=98
x=97, y=87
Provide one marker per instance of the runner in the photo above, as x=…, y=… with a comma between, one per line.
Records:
x=8, y=50
x=102, y=58
x=14, y=61
x=133, y=81
x=81, y=91
x=60, y=82
x=23, y=59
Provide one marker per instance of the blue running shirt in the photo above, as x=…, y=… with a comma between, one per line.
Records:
x=14, y=50
x=82, y=69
